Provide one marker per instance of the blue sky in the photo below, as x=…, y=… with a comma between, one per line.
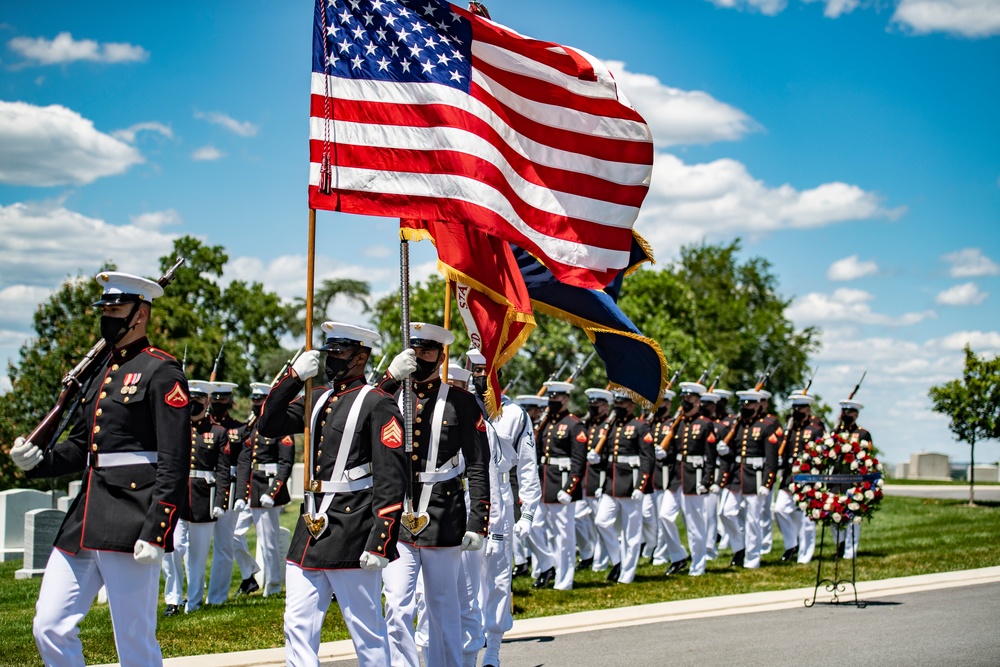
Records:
x=853, y=144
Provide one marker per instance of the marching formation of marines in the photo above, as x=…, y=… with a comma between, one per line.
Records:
x=439, y=529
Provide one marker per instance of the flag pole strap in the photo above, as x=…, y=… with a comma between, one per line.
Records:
x=447, y=325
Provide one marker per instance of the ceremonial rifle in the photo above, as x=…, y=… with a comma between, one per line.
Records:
x=184, y=360
x=284, y=369
x=679, y=417
x=840, y=422
x=215, y=366
x=513, y=383
x=374, y=375
x=760, y=383
x=579, y=369
x=791, y=420
x=77, y=381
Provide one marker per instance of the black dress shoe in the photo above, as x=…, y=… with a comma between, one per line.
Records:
x=841, y=548
x=616, y=571
x=790, y=554
x=585, y=563
x=738, y=557
x=545, y=578
x=521, y=570
x=248, y=586
x=172, y=609
x=678, y=566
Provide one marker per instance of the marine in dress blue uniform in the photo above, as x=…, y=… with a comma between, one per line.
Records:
x=131, y=438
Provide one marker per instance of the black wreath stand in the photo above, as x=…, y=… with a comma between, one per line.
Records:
x=838, y=583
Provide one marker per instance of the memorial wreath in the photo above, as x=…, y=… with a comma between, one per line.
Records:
x=838, y=481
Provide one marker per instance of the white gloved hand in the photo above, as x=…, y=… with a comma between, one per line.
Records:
x=701, y=490
x=722, y=449
x=370, y=561
x=763, y=491
x=404, y=364
x=598, y=492
x=266, y=501
x=637, y=494
x=239, y=505
x=564, y=497
x=593, y=458
x=146, y=553
x=472, y=541
x=715, y=488
x=523, y=526
x=307, y=365
x=494, y=544
x=217, y=512
x=661, y=453
x=25, y=454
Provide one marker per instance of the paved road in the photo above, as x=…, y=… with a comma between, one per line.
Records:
x=983, y=493
x=955, y=626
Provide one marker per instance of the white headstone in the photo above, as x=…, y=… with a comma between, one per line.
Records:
x=74, y=488
x=64, y=503
x=902, y=470
x=40, y=528
x=930, y=465
x=14, y=504
x=295, y=489
x=985, y=473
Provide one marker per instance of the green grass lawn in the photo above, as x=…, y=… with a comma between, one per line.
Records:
x=908, y=536
x=938, y=482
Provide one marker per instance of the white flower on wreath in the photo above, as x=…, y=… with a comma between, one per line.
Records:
x=854, y=506
x=837, y=517
x=846, y=448
x=803, y=506
x=857, y=519
x=880, y=483
x=855, y=465
x=817, y=514
x=870, y=495
x=858, y=495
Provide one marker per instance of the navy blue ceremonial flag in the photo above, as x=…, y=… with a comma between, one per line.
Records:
x=634, y=362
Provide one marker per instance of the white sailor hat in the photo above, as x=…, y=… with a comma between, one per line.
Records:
x=429, y=336
x=748, y=395
x=622, y=395
x=710, y=397
x=692, y=388
x=223, y=389
x=531, y=400
x=765, y=394
x=259, y=389
x=456, y=372
x=558, y=387
x=200, y=388
x=669, y=394
x=339, y=334
x=848, y=404
x=597, y=394
x=723, y=394
x=801, y=399
x=121, y=287
x=475, y=357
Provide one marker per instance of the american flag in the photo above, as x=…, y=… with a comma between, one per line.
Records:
x=423, y=110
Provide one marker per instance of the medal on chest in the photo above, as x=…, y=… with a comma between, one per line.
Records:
x=130, y=382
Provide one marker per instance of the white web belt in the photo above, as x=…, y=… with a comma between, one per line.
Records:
x=432, y=474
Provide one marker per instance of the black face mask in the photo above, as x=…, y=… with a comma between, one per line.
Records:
x=479, y=382
x=688, y=406
x=424, y=369
x=202, y=410
x=336, y=367
x=799, y=415
x=621, y=414
x=256, y=409
x=594, y=411
x=555, y=407
x=219, y=410
x=746, y=412
x=847, y=419
x=661, y=411
x=113, y=329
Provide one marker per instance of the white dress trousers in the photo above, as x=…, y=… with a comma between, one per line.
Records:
x=668, y=539
x=196, y=562
x=230, y=541
x=622, y=546
x=696, y=521
x=440, y=567
x=69, y=586
x=266, y=523
x=173, y=566
x=561, y=521
x=360, y=598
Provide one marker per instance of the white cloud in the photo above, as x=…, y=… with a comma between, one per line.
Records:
x=965, y=18
x=207, y=153
x=768, y=7
x=53, y=145
x=242, y=128
x=377, y=251
x=129, y=133
x=983, y=342
x=850, y=306
x=966, y=294
x=156, y=219
x=42, y=243
x=850, y=268
x=680, y=116
x=688, y=203
x=18, y=303
x=970, y=263
x=835, y=8
x=64, y=49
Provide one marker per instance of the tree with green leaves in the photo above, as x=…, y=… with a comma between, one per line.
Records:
x=972, y=405
x=196, y=314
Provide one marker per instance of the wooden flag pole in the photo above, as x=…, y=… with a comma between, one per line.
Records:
x=307, y=399
x=447, y=325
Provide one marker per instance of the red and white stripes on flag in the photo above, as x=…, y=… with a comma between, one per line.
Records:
x=530, y=141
